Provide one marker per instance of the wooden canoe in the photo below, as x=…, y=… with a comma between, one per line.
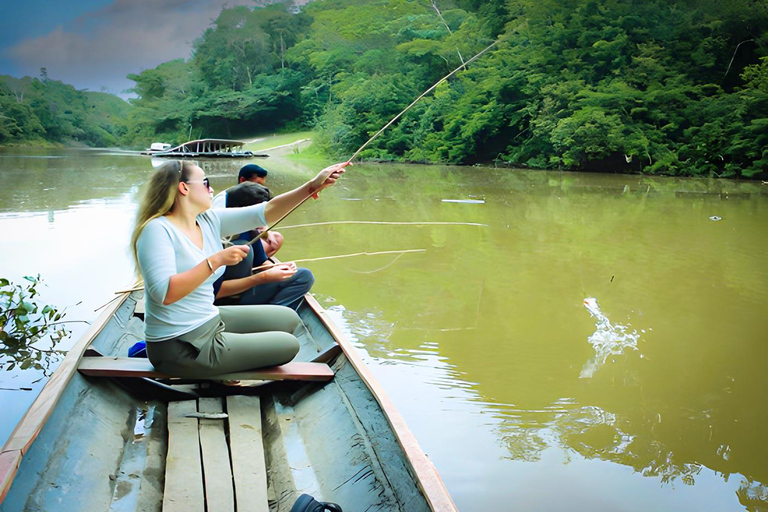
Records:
x=136, y=443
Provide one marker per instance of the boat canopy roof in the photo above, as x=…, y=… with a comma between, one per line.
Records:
x=223, y=142
x=206, y=146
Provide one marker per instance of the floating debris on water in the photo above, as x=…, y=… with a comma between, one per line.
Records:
x=465, y=201
x=715, y=218
x=607, y=340
x=144, y=420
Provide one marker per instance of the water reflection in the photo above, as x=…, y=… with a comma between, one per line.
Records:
x=753, y=495
x=640, y=441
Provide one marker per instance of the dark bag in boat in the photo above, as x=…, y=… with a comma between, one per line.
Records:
x=307, y=503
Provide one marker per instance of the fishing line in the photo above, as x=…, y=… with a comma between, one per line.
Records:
x=323, y=258
x=378, y=269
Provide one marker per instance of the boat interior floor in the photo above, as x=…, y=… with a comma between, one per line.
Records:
x=215, y=459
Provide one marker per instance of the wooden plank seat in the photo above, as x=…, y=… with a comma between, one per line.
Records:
x=208, y=470
x=141, y=367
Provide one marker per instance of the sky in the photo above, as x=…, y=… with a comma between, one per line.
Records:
x=94, y=44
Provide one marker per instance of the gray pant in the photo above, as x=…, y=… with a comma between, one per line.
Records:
x=243, y=338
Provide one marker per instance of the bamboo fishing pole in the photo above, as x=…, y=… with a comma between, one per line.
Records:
x=266, y=230
x=383, y=223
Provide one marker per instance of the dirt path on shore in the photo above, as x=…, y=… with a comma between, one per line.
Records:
x=289, y=145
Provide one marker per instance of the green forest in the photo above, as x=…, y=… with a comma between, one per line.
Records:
x=652, y=86
x=44, y=111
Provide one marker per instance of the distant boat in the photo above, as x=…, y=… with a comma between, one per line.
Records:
x=207, y=148
x=158, y=146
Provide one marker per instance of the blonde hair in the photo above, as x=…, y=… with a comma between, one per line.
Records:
x=158, y=198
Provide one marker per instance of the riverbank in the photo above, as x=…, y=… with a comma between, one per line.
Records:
x=46, y=144
x=299, y=146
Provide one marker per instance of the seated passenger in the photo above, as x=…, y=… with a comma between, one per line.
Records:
x=283, y=284
x=252, y=173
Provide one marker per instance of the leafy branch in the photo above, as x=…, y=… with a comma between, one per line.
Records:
x=29, y=330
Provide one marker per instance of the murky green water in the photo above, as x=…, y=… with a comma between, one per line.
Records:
x=483, y=341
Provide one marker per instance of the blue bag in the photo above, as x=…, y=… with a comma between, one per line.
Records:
x=139, y=349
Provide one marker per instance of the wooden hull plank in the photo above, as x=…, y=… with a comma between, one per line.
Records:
x=217, y=470
x=141, y=367
x=9, y=464
x=247, y=448
x=183, y=470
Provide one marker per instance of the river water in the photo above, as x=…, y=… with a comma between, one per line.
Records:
x=652, y=395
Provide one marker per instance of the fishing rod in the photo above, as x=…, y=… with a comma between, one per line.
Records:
x=266, y=230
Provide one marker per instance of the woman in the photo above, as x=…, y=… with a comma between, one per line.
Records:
x=177, y=246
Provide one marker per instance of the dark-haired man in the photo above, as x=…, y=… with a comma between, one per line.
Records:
x=252, y=173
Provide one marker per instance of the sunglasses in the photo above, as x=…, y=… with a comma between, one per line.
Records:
x=204, y=181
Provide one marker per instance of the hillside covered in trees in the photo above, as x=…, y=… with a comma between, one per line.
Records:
x=618, y=85
x=40, y=110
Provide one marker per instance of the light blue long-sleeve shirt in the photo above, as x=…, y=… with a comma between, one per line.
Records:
x=164, y=251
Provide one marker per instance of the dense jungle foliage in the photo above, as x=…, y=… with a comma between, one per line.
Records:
x=615, y=85
x=40, y=110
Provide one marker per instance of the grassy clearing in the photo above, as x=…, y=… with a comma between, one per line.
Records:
x=304, y=154
x=309, y=155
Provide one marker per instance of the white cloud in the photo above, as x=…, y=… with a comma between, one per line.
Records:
x=127, y=36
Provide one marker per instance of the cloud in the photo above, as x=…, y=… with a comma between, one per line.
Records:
x=100, y=48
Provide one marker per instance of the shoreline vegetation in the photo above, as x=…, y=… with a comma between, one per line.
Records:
x=593, y=85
